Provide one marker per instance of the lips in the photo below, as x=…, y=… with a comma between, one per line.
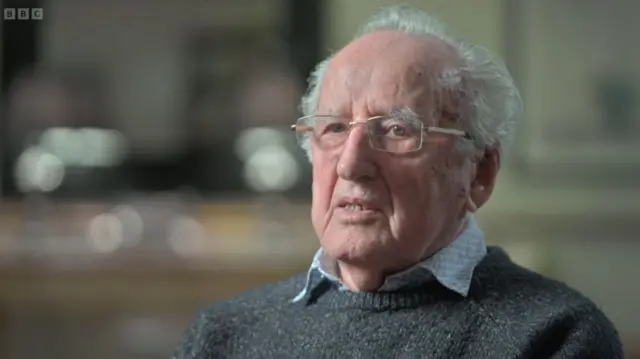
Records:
x=356, y=204
x=357, y=211
x=354, y=207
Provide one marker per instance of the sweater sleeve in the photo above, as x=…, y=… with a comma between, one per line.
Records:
x=192, y=344
x=585, y=334
x=185, y=348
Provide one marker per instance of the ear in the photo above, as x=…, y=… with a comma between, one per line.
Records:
x=485, y=177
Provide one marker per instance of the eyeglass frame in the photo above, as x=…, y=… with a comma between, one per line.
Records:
x=424, y=130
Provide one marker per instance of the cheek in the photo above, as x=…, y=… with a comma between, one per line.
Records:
x=419, y=191
x=411, y=186
x=449, y=190
x=324, y=180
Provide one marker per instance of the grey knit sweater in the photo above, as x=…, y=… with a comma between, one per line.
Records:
x=510, y=312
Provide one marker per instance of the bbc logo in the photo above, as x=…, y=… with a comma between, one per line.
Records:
x=34, y=13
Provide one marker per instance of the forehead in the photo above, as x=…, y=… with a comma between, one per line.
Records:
x=385, y=70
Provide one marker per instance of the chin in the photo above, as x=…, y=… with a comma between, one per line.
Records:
x=355, y=251
x=356, y=244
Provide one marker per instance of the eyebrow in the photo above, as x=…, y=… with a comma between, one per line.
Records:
x=404, y=111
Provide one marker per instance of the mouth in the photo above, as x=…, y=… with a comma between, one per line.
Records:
x=356, y=205
x=353, y=207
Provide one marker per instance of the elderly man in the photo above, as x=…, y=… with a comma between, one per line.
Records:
x=405, y=128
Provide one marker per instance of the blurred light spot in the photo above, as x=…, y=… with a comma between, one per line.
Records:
x=272, y=168
x=105, y=233
x=86, y=147
x=38, y=170
x=187, y=236
x=253, y=139
x=132, y=224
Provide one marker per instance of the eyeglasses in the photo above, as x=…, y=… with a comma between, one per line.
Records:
x=386, y=133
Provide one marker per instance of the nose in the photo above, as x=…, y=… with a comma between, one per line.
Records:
x=356, y=161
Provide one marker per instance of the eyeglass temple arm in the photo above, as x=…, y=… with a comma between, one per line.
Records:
x=450, y=131
x=301, y=128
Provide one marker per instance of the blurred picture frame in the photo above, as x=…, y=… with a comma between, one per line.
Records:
x=580, y=81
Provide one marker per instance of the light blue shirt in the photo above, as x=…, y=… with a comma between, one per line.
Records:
x=452, y=266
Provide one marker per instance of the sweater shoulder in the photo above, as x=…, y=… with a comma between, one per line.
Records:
x=215, y=323
x=267, y=297
x=537, y=315
x=529, y=309
x=498, y=279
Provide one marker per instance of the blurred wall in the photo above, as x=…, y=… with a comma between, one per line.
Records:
x=567, y=47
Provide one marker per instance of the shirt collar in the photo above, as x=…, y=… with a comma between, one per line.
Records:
x=452, y=266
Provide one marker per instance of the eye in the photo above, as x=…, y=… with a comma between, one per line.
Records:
x=336, y=127
x=397, y=130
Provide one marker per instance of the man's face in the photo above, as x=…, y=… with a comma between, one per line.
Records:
x=412, y=203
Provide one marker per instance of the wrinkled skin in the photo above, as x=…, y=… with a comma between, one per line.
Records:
x=420, y=198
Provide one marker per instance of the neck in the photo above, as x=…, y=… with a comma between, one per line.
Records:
x=360, y=279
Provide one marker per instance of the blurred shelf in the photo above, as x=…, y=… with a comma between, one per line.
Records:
x=513, y=194
x=147, y=287
x=520, y=211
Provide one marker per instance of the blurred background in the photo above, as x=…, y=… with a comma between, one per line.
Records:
x=146, y=168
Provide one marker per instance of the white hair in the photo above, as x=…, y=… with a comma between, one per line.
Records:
x=490, y=102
